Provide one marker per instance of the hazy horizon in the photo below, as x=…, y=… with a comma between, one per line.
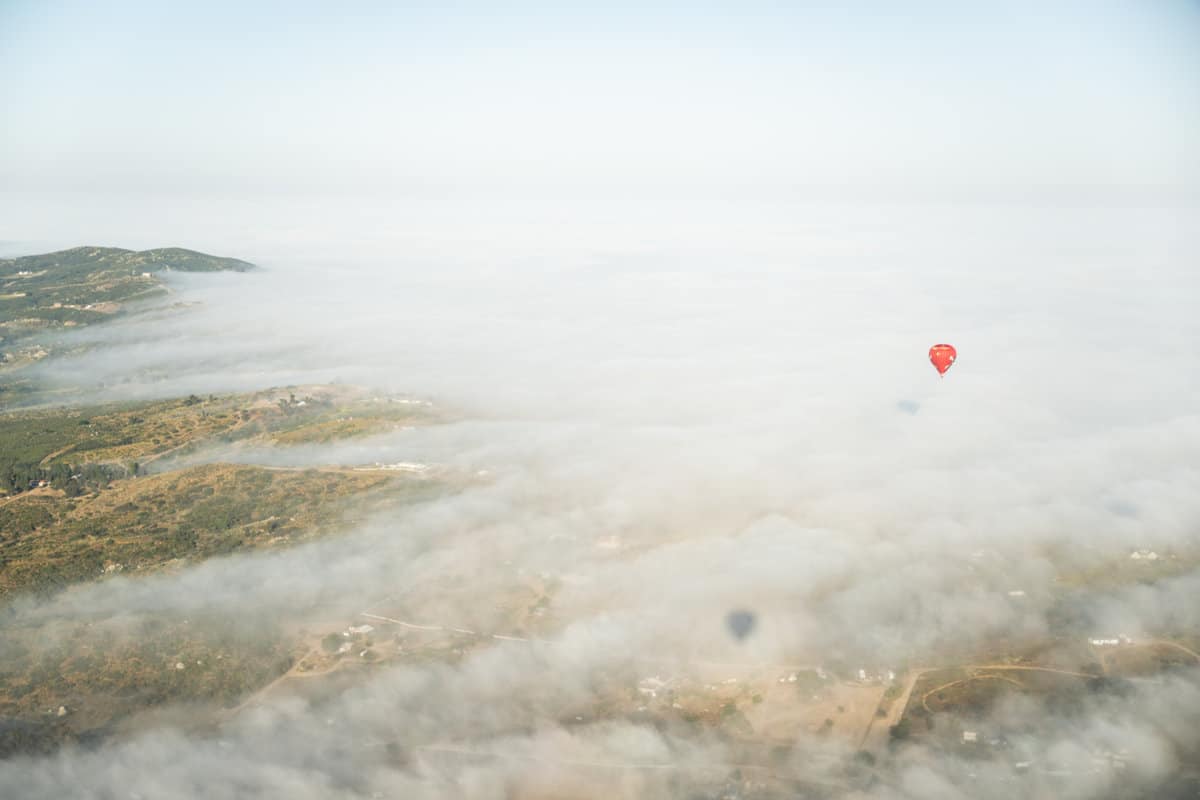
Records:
x=938, y=98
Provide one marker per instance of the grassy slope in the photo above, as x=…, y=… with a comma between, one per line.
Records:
x=102, y=671
x=51, y=541
x=55, y=536
x=127, y=432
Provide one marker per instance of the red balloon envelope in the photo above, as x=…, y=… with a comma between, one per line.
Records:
x=942, y=356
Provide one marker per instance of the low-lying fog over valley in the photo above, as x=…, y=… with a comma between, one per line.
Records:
x=637, y=441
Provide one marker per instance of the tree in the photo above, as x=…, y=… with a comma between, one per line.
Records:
x=185, y=537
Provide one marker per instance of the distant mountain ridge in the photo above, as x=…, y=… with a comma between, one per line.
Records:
x=44, y=294
x=89, y=257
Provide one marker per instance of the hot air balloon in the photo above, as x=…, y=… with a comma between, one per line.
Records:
x=942, y=357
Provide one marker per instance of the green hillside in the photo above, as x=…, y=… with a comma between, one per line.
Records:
x=81, y=262
x=83, y=286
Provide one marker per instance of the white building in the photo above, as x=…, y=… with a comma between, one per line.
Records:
x=651, y=686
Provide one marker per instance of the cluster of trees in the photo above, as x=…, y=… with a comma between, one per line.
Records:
x=291, y=403
x=31, y=737
x=74, y=479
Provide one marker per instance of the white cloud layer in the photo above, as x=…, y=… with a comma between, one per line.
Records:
x=748, y=406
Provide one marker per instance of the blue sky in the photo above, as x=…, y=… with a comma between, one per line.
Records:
x=873, y=96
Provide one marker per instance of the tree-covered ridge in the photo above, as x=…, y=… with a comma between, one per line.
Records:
x=79, y=262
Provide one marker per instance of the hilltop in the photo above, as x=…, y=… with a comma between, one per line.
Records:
x=83, y=286
x=79, y=262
